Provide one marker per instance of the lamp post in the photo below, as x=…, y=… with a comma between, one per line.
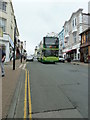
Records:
x=14, y=48
x=21, y=50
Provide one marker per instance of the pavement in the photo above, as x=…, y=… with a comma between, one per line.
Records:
x=80, y=63
x=9, y=83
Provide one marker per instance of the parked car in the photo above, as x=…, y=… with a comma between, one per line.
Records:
x=29, y=58
x=61, y=59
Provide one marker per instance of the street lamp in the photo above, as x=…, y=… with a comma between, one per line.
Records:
x=14, y=46
x=21, y=50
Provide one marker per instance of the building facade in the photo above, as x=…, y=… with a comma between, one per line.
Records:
x=61, y=41
x=7, y=26
x=85, y=46
x=77, y=23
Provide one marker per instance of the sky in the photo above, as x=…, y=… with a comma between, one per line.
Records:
x=36, y=18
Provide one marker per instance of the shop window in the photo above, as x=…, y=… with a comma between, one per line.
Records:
x=75, y=55
x=82, y=39
x=78, y=55
x=89, y=36
x=86, y=37
x=86, y=50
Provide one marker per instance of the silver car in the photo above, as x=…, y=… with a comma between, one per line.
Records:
x=29, y=58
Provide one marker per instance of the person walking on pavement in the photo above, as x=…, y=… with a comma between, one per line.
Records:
x=2, y=59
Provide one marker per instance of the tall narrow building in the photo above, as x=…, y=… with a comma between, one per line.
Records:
x=7, y=26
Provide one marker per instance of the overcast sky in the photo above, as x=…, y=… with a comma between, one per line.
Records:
x=36, y=18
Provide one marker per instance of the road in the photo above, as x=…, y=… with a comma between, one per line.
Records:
x=52, y=91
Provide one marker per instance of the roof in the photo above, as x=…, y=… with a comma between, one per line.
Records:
x=80, y=9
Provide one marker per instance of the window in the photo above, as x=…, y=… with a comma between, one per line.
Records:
x=51, y=42
x=3, y=6
x=78, y=56
x=82, y=39
x=80, y=29
x=79, y=38
x=0, y=5
x=74, y=22
x=86, y=37
x=62, y=35
x=75, y=56
x=3, y=24
x=74, y=37
x=50, y=53
x=80, y=18
x=66, y=30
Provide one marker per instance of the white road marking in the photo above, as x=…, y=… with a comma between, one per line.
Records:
x=24, y=66
x=20, y=65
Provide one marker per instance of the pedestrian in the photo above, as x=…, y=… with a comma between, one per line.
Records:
x=2, y=59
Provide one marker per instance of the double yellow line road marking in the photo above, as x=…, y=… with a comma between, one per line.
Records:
x=27, y=97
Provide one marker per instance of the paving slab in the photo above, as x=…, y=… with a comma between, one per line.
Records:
x=73, y=113
x=9, y=83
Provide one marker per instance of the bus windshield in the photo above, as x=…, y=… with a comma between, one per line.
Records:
x=48, y=53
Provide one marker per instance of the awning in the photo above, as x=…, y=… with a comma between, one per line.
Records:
x=69, y=51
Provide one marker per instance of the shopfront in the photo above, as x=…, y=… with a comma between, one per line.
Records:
x=72, y=54
x=85, y=46
x=7, y=46
x=85, y=54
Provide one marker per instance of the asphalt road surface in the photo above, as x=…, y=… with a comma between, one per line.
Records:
x=52, y=91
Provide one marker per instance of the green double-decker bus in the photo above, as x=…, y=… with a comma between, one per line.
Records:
x=49, y=50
